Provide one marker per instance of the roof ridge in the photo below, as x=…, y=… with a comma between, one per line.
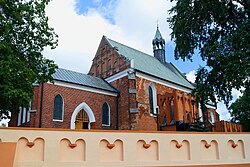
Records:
x=129, y=47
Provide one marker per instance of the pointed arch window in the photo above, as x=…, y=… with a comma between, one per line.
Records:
x=151, y=103
x=152, y=98
x=58, y=108
x=105, y=114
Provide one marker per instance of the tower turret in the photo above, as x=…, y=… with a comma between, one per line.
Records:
x=159, y=46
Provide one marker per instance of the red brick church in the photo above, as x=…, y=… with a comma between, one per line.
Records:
x=124, y=89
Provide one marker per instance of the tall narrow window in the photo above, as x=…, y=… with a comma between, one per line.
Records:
x=172, y=112
x=151, y=100
x=105, y=114
x=211, y=117
x=188, y=117
x=58, y=108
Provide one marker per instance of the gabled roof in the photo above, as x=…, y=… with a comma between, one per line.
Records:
x=151, y=65
x=82, y=79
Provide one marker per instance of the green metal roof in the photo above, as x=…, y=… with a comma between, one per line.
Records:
x=82, y=79
x=151, y=65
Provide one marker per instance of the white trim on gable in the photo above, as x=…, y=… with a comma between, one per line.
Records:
x=148, y=77
x=117, y=75
x=210, y=106
x=85, y=88
x=162, y=82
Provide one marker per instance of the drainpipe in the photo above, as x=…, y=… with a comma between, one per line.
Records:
x=117, y=113
x=41, y=107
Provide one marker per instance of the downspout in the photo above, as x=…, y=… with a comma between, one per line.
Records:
x=41, y=106
x=117, y=113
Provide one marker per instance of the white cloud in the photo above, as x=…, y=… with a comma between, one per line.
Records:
x=80, y=34
x=191, y=76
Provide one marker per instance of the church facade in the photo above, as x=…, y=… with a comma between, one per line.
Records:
x=125, y=89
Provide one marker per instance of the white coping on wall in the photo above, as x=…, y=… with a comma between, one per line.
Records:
x=96, y=148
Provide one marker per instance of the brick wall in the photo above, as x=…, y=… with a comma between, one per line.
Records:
x=107, y=61
x=72, y=98
x=182, y=105
x=123, y=108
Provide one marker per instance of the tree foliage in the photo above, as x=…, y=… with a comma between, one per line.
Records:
x=240, y=109
x=220, y=31
x=24, y=33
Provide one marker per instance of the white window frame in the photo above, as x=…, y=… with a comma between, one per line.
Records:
x=58, y=120
x=24, y=115
x=108, y=115
x=152, y=85
x=19, y=116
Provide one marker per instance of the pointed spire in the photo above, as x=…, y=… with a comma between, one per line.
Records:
x=159, y=46
x=158, y=34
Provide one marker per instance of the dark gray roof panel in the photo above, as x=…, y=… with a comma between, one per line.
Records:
x=151, y=65
x=82, y=79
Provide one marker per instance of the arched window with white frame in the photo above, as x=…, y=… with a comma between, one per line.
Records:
x=152, y=98
x=58, y=108
x=105, y=114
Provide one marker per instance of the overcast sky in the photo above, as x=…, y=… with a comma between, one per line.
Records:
x=81, y=24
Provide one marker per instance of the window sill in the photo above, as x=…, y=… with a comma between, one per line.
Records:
x=57, y=120
x=153, y=115
x=105, y=125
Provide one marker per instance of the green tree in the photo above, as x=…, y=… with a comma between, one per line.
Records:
x=24, y=33
x=240, y=110
x=219, y=30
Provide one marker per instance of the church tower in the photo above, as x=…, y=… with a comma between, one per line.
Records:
x=159, y=46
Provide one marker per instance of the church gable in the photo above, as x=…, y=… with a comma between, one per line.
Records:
x=107, y=61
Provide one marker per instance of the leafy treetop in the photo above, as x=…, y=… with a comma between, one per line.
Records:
x=24, y=33
x=220, y=31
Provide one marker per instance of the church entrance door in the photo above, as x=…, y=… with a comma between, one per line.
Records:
x=82, y=117
x=82, y=120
